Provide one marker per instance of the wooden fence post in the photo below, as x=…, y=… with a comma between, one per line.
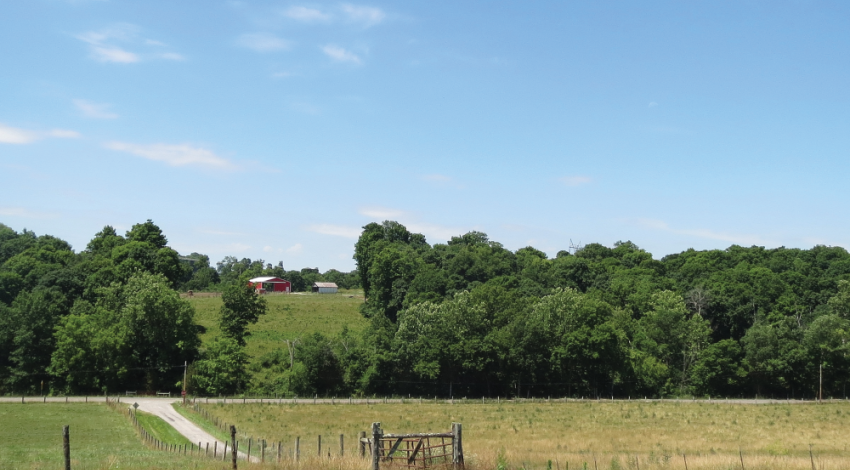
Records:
x=377, y=433
x=66, y=446
x=297, y=448
x=233, y=445
x=457, y=444
x=278, y=451
x=342, y=445
x=360, y=438
x=320, y=446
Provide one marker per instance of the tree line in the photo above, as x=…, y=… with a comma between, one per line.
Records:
x=110, y=317
x=463, y=318
x=470, y=317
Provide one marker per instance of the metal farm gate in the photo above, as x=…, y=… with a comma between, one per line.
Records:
x=416, y=450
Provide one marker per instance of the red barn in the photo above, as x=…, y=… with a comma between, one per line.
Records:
x=270, y=284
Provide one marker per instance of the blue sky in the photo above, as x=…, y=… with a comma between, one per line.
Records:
x=275, y=130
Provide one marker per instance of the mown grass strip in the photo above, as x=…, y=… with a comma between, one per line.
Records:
x=202, y=422
x=159, y=429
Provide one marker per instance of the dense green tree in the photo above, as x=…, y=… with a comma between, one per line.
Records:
x=241, y=306
x=222, y=368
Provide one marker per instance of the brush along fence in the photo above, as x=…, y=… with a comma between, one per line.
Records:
x=417, y=450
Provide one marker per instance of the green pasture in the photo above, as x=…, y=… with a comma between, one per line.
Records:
x=100, y=438
x=288, y=317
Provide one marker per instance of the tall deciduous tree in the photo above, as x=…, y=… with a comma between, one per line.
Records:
x=242, y=306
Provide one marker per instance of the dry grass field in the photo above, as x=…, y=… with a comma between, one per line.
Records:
x=576, y=435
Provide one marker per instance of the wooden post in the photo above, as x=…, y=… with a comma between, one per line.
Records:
x=320, y=445
x=297, y=448
x=263, y=451
x=820, y=385
x=457, y=444
x=207, y=449
x=215, y=448
x=812, y=457
x=66, y=446
x=342, y=445
x=741, y=454
x=224, y=452
x=278, y=451
x=377, y=433
x=249, y=448
x=233, y=445
x=360, y=438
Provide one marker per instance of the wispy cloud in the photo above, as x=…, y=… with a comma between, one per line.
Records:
x=366, y=16
x=739, y=239
x=15, y=135
x=437, y=178
x=431, y=231
x=24, y=213
x=295, y=249
x=340, y=55
x=382, y=213
x=95, y=110
x=110, y=45
x=222, y=232
x=263, y=42
x=575, y=180
x=306, y=15
x=435, y=231
x=172, y=56
x=175, y=155
x=335, y=230
x=652, y=104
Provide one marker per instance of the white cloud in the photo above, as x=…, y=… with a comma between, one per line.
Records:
x=113, y=54
x=95, y=110
x=335, y=230
x=14, y=135
x=263, y=42
x=366, y=16
x=436, y=232
x=23, y=213
x=575, y=180
x=103, y=45
x=306, y=15
x=222, y=232
x=171, y=56
x=652, y=104
x=739, y=239
x=295, y=249
x=174, y=155
x=436, y=178
x=340, y=55
x=62, y=134
x=382, y=213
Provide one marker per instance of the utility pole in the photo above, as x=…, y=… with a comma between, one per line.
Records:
x=185, y=366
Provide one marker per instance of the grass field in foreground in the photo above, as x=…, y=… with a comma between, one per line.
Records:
x=100, y=437
x=618, y=433
x=288, y=317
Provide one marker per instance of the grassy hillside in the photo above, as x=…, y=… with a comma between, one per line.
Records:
x=529, y=435
x=288, y=317
x=31, y=438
